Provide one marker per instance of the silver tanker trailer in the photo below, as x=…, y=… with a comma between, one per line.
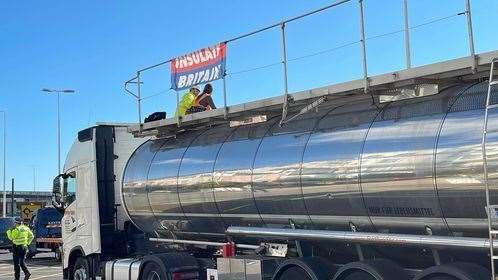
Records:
x=352, y=190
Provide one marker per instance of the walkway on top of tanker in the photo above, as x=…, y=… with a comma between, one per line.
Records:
x=415, y=81
x=461, y=69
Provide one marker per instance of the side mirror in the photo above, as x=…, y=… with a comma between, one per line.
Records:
x=57, y=196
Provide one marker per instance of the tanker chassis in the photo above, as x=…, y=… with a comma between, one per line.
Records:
x=347, y=191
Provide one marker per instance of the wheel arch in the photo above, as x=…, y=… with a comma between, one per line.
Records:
x=74, y=254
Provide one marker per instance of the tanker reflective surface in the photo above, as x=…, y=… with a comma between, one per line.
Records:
x=162, y=187
x=195, y=187
x=232, y=176
x=459, y=166
x=276, y=185
x=135, y=187
x=398, y=167
x=330, y=168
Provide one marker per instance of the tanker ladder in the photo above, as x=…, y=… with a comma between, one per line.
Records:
x=491, y=210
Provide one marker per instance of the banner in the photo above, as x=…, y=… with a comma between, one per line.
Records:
x=202, y=66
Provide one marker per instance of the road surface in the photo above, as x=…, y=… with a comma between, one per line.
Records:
x=42, y=267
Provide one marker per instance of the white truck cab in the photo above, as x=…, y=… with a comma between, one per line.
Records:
x=88, y=191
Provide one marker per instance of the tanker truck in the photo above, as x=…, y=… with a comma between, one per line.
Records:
x=350, y=189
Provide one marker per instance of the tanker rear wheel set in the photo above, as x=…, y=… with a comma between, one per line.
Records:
x=380, y=269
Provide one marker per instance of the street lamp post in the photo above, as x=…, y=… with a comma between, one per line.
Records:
x=34, y=182
x=58, y=91
x=4, y=208
x=34, y=177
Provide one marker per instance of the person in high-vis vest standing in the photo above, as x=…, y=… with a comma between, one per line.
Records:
x=21, y=236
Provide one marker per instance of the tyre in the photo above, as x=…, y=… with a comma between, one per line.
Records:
x=454, y=271
x=359, y=275
x=58, y=254
x=294, y=273
x=81, y=269
x=442, y=277
x=153, y=272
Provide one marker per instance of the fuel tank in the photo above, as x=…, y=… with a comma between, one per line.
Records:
x=401, y=167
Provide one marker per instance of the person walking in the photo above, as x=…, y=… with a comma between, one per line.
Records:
x=20, y=236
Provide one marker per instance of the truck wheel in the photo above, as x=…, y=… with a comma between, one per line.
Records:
x=294, y=273
x=454, y=271
x=81, y=270
x=153, y=272
x=58, y=254
x=359, y=275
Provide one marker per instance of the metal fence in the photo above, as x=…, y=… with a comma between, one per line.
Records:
x=138, y=82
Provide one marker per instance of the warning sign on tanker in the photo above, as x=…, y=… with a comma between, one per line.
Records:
x=202, y=66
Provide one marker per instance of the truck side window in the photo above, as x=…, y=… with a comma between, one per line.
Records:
x=70, y=188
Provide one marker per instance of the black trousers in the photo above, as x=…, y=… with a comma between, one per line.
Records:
x=19, y=254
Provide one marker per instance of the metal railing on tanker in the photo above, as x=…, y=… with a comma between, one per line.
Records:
x=223, y=73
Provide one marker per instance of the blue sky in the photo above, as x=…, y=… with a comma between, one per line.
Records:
x=94, y=46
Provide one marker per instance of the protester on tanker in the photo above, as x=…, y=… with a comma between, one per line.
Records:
x=204, y=99
x=187, y=102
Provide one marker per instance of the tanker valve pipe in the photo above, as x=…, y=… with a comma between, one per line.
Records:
x=203, y=243
x=373, y=238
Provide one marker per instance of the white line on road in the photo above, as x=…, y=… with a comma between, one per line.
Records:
x=41, y=277
x=30, y=270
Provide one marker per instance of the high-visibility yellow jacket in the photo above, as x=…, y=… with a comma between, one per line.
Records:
x=20, y=235
x=187, y=101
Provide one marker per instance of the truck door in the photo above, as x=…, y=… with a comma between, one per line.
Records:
x=69, y=221
x=80, y=214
